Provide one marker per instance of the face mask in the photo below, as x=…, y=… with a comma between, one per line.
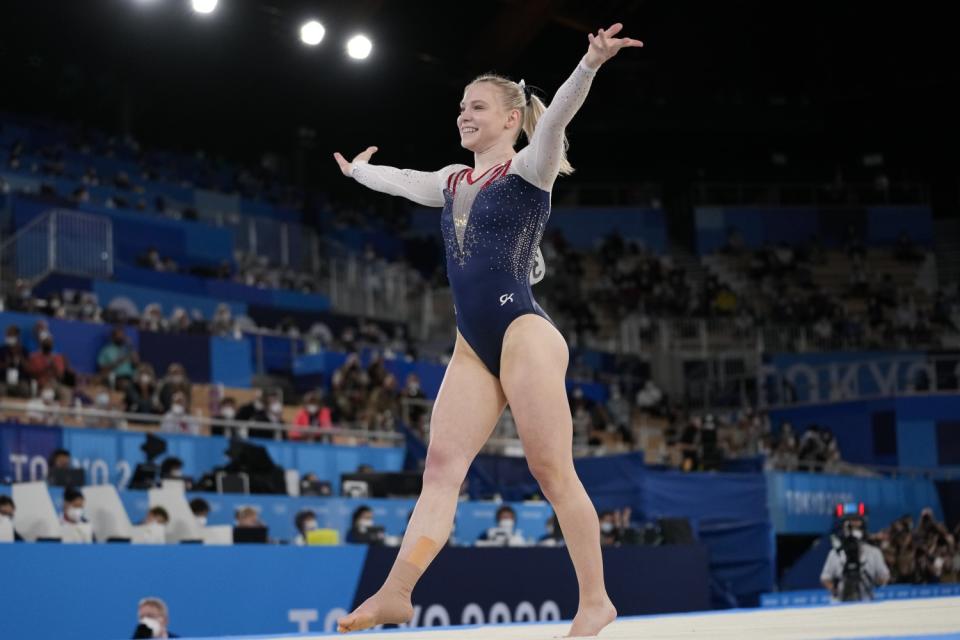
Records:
x=606, y=527
x=857, y=533
x=364, y=524
x=176, y=379
x=176, y=473
x=153, y=624
x=258, y=404
x=506, y=523
x=414, y=387
x=48, y=395
x=549, y=529
x=276, y=408
x=202, y=521
x=228, y=412
x=4, y=517
x=11, y=341
x=310, y=525
x=103, y=399
x=312, y=408
x=177, y=409
x=145, y=379
x=75, y=514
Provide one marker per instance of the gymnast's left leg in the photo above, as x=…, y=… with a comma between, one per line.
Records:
x=533, y=369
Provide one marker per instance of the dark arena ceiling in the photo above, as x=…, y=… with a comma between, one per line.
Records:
x=718, y=87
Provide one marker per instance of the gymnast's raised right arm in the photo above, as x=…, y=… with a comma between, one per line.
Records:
x=422, y=187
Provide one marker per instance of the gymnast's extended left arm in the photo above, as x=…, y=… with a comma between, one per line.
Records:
x=547, y=143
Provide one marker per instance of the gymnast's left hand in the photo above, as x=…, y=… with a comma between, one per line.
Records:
x=604, y=45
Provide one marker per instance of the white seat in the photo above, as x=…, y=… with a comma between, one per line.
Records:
x=106, y=513
x=36, y=517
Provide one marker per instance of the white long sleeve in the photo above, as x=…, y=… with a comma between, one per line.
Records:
x=422, y=187
x=539, y=162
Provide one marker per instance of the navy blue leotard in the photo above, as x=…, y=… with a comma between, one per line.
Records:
x=493, y=223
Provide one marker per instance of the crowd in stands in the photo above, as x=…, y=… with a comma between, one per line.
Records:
x=369, y=397
x=927, y=553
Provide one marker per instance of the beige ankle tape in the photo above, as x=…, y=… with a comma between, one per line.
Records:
x=422, y=553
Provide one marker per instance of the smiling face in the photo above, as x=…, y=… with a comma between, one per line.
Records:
x=483, y=122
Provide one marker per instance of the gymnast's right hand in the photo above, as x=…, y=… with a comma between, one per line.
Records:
x=347, y=166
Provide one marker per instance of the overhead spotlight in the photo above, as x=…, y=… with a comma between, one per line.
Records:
x=358, y=47
x=311, y=33
x=204, y=6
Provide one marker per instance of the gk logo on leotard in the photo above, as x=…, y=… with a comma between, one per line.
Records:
x=505, y=298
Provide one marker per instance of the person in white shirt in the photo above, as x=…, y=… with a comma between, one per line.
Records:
x=177, y=420
x=74, y=527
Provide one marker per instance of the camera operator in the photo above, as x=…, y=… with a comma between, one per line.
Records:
x=853, y=567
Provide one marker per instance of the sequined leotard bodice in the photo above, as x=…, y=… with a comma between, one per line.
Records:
x=493, y=223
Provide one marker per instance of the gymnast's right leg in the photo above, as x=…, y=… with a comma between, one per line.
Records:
x=468, y=405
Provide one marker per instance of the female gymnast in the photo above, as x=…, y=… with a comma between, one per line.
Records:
x=507, y=348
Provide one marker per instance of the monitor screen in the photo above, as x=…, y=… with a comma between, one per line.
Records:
x=71, y=477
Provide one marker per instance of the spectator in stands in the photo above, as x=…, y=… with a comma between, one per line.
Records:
x=172, y=468
x=201, y=511
x=117, y=360
x=689, y=444
x=175, y=381
x=152, y=318
x=505, y=533
x=553, y=535
x=581, y=408
x=153, y=619
x=311, y=414
x=151, y=260
x=21, y=299
x=8, y=510
x=226, y=411
x=49, y=368
x=618, y=408
x=362, y=528
x=349, y=385
x=650, y=398
x=247, y=517
x=45, y=408
x=141, y=395
x=270, y=412
x=157, y=515
x=74, y=527
x=177, y=419
x=59, y=459
x=609, y=532
x=101, y=402
x=13, y=364
x=222, y=322
x=305, y=521
x=785, y=450
x=254, y=409
x=383, y=405
x=413, y=403
x=310, y=485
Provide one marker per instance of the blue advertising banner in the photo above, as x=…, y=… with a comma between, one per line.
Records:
x=24, y=451
x=832, y=376
x=54, y=591
x=804, y=502
x=539, y=584
x=57, y=591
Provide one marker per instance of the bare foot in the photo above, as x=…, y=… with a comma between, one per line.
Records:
x=591, y=619
x=377, y=609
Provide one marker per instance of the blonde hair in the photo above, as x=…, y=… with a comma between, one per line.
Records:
x=158, y=603
x=514, y=98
